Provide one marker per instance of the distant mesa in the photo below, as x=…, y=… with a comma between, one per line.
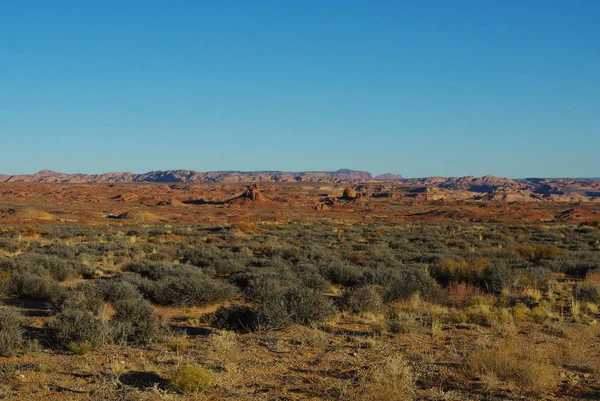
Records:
x=352, y=175
x=389, y=177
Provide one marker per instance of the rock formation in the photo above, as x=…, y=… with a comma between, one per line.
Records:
x=252, y=195
x=349, y=193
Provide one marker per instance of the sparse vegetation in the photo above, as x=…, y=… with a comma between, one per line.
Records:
x=508, y=307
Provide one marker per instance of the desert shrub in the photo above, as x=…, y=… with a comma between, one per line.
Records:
x=459, y=295
x=238, y=318
x=263, y=286
x=588, y=291
x=11, y=330
x=310, y=277
x=537, y=277
x=80, y=347
x=462, y=270
x=538, y=252
x=33, y=283
x=343, y=273
x=178, y=285
x=279, y=307
x=307, y=306
x=84, y=296
x=136, y=321
x=576, y=263
x=60, y=269
x=191, y=378
x=362, y=299
x=9, y=246
x=79, y=325
x=406, y=282
x=118, y=290
x=63, y=251
x=401, y=322
x=7, y=265
x=498, y=277
x=221, y=260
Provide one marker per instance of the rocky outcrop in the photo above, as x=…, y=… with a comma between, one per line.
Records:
x=349, y=193
x=252, y=195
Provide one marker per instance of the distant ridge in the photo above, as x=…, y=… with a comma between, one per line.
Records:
x=49, y=176
x=489, y=187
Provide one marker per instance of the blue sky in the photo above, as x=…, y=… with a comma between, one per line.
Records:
x=509, y=88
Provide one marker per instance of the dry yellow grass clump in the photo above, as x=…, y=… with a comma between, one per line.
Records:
x=518, y=363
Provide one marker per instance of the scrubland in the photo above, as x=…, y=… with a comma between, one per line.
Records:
x=286, y=311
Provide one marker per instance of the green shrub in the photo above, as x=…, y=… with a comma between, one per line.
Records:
x=191, y=378
x=79, y=347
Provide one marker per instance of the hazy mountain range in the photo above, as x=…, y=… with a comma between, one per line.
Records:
x=485, y=184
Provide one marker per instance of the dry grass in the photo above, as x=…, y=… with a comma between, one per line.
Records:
x=517, y=363
x=390, y=379
x=538, y=252
x=178, y=344
x=224, y=349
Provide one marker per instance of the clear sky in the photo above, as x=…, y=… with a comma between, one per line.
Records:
x=509, y=88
